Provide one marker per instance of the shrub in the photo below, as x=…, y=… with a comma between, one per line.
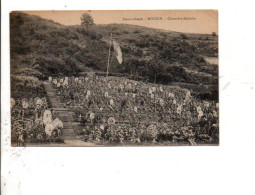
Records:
x=183, y=36
x=136, y=31
x=59, y=140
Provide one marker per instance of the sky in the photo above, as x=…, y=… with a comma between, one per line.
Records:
x=189, y=21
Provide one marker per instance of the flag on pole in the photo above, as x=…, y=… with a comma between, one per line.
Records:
x=117, y=49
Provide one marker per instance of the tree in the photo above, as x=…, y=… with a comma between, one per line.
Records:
x=86, y=20
x=213, y=34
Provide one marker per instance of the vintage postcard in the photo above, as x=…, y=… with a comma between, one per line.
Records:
x=114, y=78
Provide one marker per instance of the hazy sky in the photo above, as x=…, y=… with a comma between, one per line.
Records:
x=192, y=21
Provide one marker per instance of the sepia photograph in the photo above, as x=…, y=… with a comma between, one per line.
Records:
x=114, y=78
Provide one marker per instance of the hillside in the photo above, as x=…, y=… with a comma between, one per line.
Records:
x=42, y=48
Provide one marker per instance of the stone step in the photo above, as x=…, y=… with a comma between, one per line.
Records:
x=70, y=118
x=68, y=123
x=68, y=130
x=65, y=128
x=63, y=120
x=68, y=127
x=62, y=111
x=68, y=134
x=51, y=94
x=67, y=118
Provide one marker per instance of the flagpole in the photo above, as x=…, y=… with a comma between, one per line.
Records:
x=108, y=64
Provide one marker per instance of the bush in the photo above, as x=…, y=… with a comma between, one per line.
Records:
x=213, y=34
x=136, y=31
x=59, y=140
x=179, y=73
x=183, y=36
x=26, y=86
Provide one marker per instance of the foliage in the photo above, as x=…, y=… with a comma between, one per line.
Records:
x=86, y=20
x=183, y=36
x=26, y=86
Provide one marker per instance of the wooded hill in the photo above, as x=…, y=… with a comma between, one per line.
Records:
x=42, y=48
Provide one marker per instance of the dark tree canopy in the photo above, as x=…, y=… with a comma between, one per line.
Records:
x=86, y=20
